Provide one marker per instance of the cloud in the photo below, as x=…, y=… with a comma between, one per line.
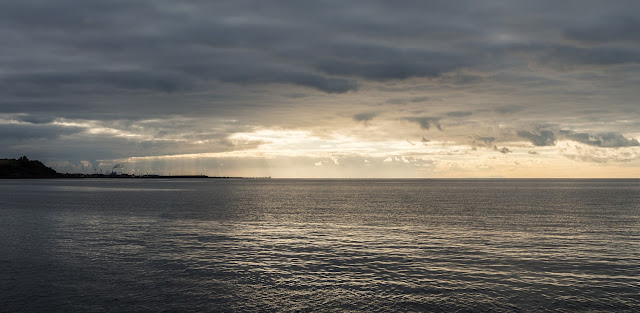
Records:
x=419, y=99
x=426, y=122
x=35, y=119
x=154, y=77
x=459, y=113
x=595, y=154
x=503, y=150
x=509, y=109
x=365, y=117
x=266, y=76
x=606, y=30
x=397, y=101
x=570, y=57
x=484, y=141
x=378, y=62
x=20, y=133
x=605, y=140
x=545, y=138
x=61, y=81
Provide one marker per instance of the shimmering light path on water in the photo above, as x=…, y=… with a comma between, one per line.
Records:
x=319, y=245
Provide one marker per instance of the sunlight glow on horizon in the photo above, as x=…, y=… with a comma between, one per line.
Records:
x=285, y=153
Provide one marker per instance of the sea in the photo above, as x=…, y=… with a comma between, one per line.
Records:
x=298, y=245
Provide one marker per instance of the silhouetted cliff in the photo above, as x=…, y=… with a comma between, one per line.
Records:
x=25, y=168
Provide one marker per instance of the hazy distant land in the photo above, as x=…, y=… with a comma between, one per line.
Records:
x=25, y=168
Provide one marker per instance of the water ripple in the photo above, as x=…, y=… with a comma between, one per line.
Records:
x=374, y=248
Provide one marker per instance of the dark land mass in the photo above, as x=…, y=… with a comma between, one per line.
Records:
x=25, y=168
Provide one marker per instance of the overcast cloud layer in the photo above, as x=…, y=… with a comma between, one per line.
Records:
x=323, y=88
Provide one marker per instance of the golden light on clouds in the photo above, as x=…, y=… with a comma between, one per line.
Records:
x=302, y=154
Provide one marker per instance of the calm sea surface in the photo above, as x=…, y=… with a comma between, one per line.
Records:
x=319, y=245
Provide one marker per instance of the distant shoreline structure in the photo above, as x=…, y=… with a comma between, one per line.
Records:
x=150, y=176
x=23, y=168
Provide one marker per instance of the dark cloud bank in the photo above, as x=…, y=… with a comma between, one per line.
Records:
x=603, y=140
x=162, y=46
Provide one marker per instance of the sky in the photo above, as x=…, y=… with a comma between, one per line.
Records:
x=416, y=89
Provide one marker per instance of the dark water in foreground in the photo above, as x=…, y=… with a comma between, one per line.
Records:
x=319, y=245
